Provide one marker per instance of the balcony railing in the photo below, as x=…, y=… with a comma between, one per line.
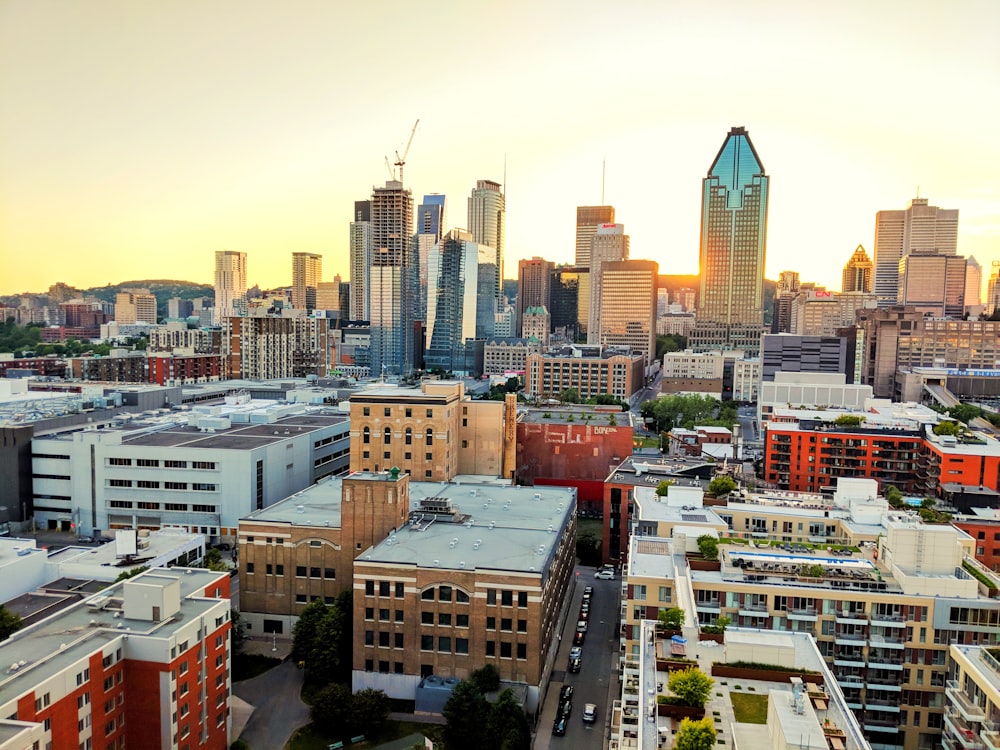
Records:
x=967, y=708
x=962, y=730
x=991, y=735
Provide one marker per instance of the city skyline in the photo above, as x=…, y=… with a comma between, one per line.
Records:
x=241, y=141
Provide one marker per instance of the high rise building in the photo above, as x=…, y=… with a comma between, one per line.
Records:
x=262, y=346
x=993, y=289
x=230, y=284
x=784, y=293
x=488, y=223
x=588, y=219
x=135, y=306
x=360, y=258
x=920, y=227
x=628, y=306
x=608, y=245
x=570, y=285
x=534, y=283
x=390, y=286
x=461, y=301
x=858, y=273
x=307, y=272
x=973, y=283
x=431, y=219
x=733, y=247
x=933, y=283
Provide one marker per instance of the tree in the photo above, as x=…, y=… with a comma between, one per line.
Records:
x=948, y=428
x=709, y=546
x=692, y=686
x=722, y=622
x=131, y=573
x=965, y=412
x=486, y=679
x=213, y=561
x=305, y=630
x=848, y=420
x=332, y=708
x=588, y=548
x=695, y=735
x=10, y=623
x=721, y=485
x=369, y=710
x=507, y=727
x=672, y=619
x=570, y=396
x=465, y=716
x=893, y=496
x=664, y=487
x=237, y=633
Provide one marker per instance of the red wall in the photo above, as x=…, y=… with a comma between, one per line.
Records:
x=577, y=452
x=987, y=536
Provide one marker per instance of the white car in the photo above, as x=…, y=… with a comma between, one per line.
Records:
x=582, y=626
x=576, y=652
x=605, y=575
x=590, y=713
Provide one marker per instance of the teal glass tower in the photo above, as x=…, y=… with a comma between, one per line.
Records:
x=730, y=312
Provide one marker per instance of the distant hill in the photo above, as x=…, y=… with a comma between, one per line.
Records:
x=162, y=289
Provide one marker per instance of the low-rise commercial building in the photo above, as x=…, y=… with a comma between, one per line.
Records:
x=588, y=370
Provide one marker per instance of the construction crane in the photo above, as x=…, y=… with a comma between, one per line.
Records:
x=401, y=160
x=392, y=172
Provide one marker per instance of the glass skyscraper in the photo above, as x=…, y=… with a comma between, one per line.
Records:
x=488, y=223
x=734, y=203
x=390, y=293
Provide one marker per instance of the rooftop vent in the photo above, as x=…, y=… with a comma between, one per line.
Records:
x=477, y=544
x=538, y=496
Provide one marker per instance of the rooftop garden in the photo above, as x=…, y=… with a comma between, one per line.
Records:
x=749, y=708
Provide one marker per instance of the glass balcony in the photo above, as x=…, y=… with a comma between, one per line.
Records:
x=968, y=709
x=964, y=732
x=991, y=735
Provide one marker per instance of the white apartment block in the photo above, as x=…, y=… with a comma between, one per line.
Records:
x=693, y=366
x=811, y=390
x=201, y=470
x=746, y=379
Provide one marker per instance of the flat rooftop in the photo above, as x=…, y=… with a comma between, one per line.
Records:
x=578, y=415
x=105, y=556
x=651, y=470
x=173, y=431
x=651, y=558
x=48, y=647
x=505, y=528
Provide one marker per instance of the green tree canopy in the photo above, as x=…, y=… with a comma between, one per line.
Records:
x=667, y=412
x=695, y=735
x=131, y=573
x=721, y=485
x=709, y=546
x=465, y=715
x=10, y=623
x=664, y=487
x=507, y=727
x=848, y=420
x=321, y=640
x=332, y=709
x=692, y=686
x=672, y=619
x=947, y=428
x=369, y=711
x=965, y=412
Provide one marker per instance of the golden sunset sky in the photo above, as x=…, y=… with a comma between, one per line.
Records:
x=139, y=137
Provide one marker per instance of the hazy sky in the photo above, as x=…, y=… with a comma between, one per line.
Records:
x=138, y=137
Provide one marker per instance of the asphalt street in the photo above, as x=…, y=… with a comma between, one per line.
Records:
x=597, y=681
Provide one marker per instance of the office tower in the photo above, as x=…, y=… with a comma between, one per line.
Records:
x=390, y=294
x=265, y=346
x=360, y=258
x=784, y=293
x=488, y=223
x=567, y=285
x=686, y=299
x=628, y=306
x=178, y=308
x=588, y=219
x=534, y=282
x=858, y=273
x=993, y=289
x=230, y=284
x=307, y=272
x=135, y=306
x=431, y=219
x=933, y=283
x=461, y=301
x=733, y=247
x=973, y=283
x=609, y=244
x=328, y=295
x=898, y=233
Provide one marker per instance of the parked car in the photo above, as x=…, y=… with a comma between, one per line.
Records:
x=85, y=540
x=581, y=625
x=565, y=708
x=605, y=575
x=224, y=546
x=575, y=664
x=584, y=614
x=566, y=693
x=588, y=592
x=559, y=726
x=590, y=713
x=585, y=606
x=579, y=637
x=576, y=652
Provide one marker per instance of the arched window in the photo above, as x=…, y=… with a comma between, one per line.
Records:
x=366, y=436
x=408, y=435
x=387, y=435
x=430, y=436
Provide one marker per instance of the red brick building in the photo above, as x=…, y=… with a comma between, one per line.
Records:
x=170, y=369
x=986, y=532
x=572, y=447
x=144, y=663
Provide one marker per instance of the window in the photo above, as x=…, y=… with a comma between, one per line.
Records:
x=408, y=436
x=268, y=569
x=383, y=639
x=491, y=623
x=398, y=643
x=491, y=596
x=279, y=570
x=506, y=623
x=428, y=595
x=366, y=436
x=398, y=615
x=120, y=461
x=444, y=593
x=430, y=413
x=383, y=615
x=249, y=567
x=82, y=677
x=202, y=487
x=522, y=651
x=505, y=650
x=461, y=645
x=175, y=464
x=120, y=482
x=491, y=648
x=429, y=436
x=444, y=644
x=507, y=598
x=462, y=621
x=426, y=618
x=522, y=598
x=427, y=643
x=300, y=571
x=203, y=465
x=330, y=573
x=461, y=597
x=400, y=589
x=444, y=618
x=314, y=573
x=522, y=626
x=369, y=613
x=366, y=411
x=369, y=588
x=147, y=484
x=369, y=637
x=639, y=592
x=383, y=588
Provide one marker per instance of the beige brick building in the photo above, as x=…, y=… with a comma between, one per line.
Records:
x=433, y=433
